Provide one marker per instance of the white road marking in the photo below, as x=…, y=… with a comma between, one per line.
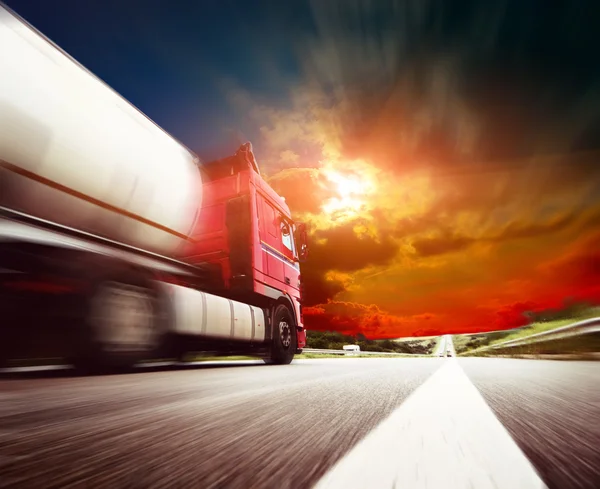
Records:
x=444, y=344
x=450, y=346
x=443, y=436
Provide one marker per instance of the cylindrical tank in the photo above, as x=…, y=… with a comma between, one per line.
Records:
x=74, y=152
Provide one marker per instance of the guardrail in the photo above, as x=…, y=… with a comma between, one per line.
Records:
x=344, y=352
x=587, y=326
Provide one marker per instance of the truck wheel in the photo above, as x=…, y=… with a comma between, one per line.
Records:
x=121, y=324
x=283, y=346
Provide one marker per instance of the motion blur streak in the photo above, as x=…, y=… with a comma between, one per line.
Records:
x=278, y=427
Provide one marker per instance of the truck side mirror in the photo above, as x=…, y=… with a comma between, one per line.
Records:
x=302, y=242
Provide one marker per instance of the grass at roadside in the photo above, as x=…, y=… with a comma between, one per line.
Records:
x=460, y=341
x=424, y=345
x=584, y=347
x=535, y=328
x=467, y=343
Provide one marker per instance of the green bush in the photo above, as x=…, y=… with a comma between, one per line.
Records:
x=332, y=340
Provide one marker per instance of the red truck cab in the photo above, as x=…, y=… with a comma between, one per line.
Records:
x=247, y=229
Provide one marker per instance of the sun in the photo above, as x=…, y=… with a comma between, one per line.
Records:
x=351, y=191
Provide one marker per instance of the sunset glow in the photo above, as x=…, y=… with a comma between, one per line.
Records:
x=429, y=252
x=442, y=195
x=351, y=192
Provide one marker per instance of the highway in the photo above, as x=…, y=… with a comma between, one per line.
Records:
x=330, y=423
x=445, y=347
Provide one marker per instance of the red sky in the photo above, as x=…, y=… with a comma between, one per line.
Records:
x=424, y=252
x=442, y=194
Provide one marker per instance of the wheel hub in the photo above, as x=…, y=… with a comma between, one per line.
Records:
x=285, y=334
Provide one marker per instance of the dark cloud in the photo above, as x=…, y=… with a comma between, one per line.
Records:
x=340, y=249
x=317, y=289
x=438, y=246
x=448, y=242
x=493, y=80
x=518, y=230
x=346, y=251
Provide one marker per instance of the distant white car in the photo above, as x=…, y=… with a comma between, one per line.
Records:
x=351, y=349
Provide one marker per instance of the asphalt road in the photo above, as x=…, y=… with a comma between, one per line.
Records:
x=552, y=411
x=371, y=423
x=445, y=347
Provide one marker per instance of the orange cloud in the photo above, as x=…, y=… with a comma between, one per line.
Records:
x=372, y=322
x=369, y=320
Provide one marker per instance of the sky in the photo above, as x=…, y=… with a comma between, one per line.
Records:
x=445, y=155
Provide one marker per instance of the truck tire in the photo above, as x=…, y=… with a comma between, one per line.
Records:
x=121, y=322
x=283, y=345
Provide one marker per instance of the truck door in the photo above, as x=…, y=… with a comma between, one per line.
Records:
x=271, y=243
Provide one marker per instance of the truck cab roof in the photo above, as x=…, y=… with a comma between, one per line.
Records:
x=242, y=160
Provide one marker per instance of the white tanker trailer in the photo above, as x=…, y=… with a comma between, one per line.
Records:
x=61, y=129
x=112, y=248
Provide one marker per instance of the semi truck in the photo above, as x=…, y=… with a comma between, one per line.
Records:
x=117, y=243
